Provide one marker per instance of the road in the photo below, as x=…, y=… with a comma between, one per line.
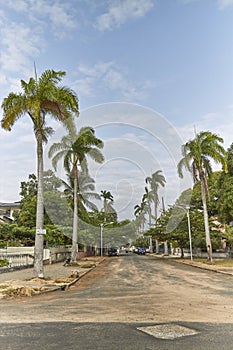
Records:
x=109, y=306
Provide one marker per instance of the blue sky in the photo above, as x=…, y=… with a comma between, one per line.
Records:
x=172, y=57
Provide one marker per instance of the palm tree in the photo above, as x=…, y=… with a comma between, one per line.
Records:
x=139, y=212
x=40, y=97
x=86, y=187
x=148, y=199
x=107, y=207
x=196, y=159
x=156, y=180
x=74, y=149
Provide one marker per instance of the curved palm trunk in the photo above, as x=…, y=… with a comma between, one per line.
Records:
x=74, y=249
x=39, y=238
x=206, y=222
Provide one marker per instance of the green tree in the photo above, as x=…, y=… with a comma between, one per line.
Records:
x=55, y=210
x=6, y=234
x=74, y=149
x=224, y=196
x=28, y=192
x=156, y=180
x=197, y=154
x=40, y=97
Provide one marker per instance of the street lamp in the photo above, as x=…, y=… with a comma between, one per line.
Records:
x=189, y=229
x=101, y=236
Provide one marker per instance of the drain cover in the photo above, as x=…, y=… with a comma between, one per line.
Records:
x=167, y=331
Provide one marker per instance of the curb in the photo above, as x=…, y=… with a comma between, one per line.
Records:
x=206, y=268
x=68, y=285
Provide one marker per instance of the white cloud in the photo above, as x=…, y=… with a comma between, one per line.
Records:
x=120, y=12
x=54, y=12
x=109, y=77
x=19, y=45
x=59, y=15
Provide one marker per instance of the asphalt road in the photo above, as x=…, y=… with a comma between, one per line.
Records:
x=113, y=306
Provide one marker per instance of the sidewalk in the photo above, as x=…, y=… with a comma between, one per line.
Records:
x=56, y=276
x=206, y=266
x=198, y=264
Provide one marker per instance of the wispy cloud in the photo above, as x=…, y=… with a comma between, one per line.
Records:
x=55, y=13
x=111, y=78
x=24, y=40
x=20, y=45
x=119, y=12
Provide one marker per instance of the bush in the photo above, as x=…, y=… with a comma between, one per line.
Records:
x=4, y=262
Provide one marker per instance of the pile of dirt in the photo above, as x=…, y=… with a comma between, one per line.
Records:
x=34, y=286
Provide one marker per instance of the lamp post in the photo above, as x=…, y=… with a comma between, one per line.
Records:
x=101, y=236
x=189, y=229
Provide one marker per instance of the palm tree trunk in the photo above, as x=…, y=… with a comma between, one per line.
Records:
x=39, y=238
x=149, y=214
x=156, y=206
x=74, y=249
x=206, y=222
x=105, y=209
x=156, y=246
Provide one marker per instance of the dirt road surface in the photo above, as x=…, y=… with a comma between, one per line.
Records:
x=132, y=289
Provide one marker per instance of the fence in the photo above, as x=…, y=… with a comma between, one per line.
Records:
x=23, y=257
x=16, y=261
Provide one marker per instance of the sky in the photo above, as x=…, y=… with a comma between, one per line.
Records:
x=148, y=73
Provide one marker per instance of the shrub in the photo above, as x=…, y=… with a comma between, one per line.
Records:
x=4, y=262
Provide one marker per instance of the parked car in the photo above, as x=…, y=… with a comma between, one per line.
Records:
x=113, y=252
x=141, y=251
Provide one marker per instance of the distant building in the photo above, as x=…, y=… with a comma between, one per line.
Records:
x=7, y=210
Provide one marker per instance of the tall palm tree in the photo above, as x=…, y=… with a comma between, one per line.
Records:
x=139, y=212
x=196, y=159
x=74, y=149
x=40, y=97
x=148, y=199
x=107, y=207
x=156, y=180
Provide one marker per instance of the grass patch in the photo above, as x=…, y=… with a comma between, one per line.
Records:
x=218, y=262
x=87, y=265
x=223, y=262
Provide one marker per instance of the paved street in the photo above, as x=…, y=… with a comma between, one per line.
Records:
x=106, y=336
x=113, y=306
